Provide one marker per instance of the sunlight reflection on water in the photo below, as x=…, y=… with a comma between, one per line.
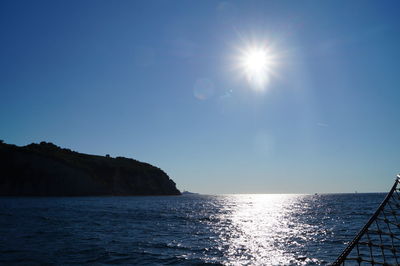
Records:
x=182, y=230
x=261, y=229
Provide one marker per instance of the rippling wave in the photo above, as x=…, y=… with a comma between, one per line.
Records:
x=182, y=230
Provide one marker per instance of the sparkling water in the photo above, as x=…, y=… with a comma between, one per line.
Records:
x=270, y=229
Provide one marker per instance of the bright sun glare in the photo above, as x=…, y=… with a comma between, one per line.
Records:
x=256, y=63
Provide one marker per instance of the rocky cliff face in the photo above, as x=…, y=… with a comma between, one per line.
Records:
x=47, y=170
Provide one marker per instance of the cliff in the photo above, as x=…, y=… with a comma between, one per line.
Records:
x=47, y=170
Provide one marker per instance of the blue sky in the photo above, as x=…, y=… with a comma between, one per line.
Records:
x=158, y=81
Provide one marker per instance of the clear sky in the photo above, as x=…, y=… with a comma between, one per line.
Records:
x=161, y=82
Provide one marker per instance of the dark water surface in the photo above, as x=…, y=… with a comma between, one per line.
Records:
x=181, y=230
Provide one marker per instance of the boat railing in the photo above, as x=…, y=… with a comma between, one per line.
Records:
x=378, y=242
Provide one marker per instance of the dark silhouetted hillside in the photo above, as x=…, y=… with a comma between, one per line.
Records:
x=47, y=170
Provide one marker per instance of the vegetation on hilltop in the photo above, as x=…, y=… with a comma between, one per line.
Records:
x=47, y=170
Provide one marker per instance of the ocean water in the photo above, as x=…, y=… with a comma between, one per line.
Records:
x=182, y=230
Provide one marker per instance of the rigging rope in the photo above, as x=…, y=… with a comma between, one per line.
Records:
x=378, y=242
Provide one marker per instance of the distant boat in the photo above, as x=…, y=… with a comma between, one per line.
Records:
x=189, y=193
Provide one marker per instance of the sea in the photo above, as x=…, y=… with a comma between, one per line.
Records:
x=248, y=229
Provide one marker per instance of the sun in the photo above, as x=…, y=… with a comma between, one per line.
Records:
x=256, y=63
